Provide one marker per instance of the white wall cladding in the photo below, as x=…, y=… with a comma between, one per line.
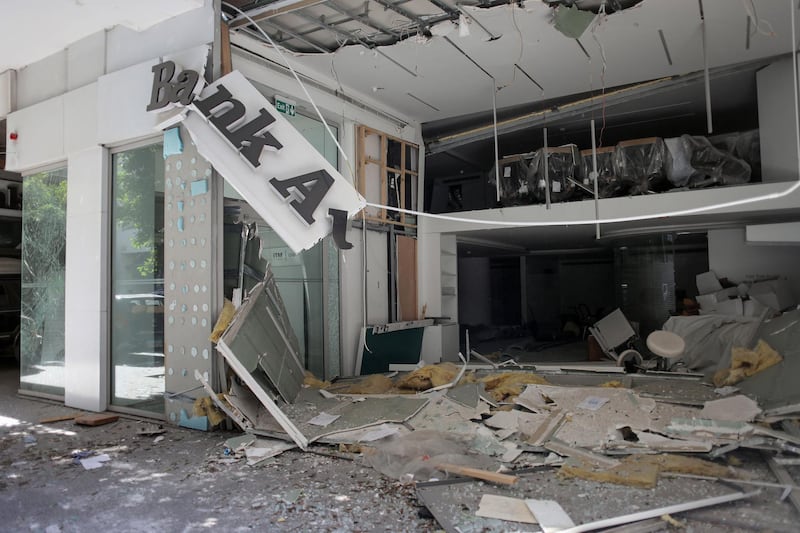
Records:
x=189, y=294
x=66, y=114
x=86, y=365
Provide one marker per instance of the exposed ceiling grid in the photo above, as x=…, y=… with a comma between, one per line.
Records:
x=650, y=40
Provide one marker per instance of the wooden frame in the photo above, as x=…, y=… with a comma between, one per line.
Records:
x=366, y=157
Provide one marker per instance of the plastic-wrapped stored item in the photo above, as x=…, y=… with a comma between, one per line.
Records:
x=678, y=165
x=713, y=166
x=745, y=145
x=563, y=165
x=608, y=184
x=639, y=164
x=516, y=179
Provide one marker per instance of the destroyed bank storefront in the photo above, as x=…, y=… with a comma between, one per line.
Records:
x=153, y=196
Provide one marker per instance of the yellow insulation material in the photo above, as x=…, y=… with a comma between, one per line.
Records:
x=224, y=320
x=643, y=476
x=205, y=406
x=509, y=384
x=429, y=376
x=372, y=384
x=681, y=464
x=314, y=382
x=616, y=384
x=642, y=470
x=745, y=363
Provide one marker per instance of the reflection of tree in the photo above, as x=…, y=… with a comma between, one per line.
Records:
x=43, y=261
x=135, y=208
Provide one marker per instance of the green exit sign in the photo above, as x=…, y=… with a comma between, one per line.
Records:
x=285, y=106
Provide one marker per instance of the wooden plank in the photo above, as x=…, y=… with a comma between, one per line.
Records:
x=407, y=277
x=637, y=142
x=394, y=223
x=402, y=186
x=384, y=183
x=96, y=419
x=61, y=418
x=226, y=63
x=494, y=477
x=361, y=165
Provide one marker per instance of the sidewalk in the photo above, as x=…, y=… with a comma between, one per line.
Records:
x=181, y=483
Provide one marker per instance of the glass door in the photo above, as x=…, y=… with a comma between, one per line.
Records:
x=137, y=279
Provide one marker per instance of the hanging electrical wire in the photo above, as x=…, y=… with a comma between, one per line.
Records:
x=759, y=26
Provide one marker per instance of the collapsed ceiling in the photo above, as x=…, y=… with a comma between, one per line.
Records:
x=323, y=26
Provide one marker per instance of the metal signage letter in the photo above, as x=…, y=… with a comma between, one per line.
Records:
x=166, y=92
x=320, y=182
x=225, y=111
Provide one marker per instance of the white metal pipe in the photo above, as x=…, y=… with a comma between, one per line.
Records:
x=594, y=172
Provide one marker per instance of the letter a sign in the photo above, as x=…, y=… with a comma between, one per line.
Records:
x=280, y=174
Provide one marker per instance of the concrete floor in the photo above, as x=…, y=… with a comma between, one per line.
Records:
x=185, y=483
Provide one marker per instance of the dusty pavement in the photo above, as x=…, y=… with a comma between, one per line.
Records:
x=181, y=483
x=184, y=482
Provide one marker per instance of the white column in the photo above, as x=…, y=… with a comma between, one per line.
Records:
x=86, y=361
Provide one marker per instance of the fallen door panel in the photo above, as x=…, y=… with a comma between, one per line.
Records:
x=261, y=340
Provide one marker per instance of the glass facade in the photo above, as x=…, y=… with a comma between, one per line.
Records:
x=44, y=232
x=308, y=282
x=137, y=279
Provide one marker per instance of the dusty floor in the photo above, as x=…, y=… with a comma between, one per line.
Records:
x=185, y=483
x=182, y=483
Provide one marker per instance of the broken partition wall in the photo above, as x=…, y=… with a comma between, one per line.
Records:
x=261, y=348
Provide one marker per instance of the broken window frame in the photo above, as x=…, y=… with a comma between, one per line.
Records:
x=402, y=179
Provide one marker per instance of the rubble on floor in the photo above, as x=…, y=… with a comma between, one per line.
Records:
x=447, y=423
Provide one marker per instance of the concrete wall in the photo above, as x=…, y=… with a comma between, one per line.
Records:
x=71, y=107
x=731, y=256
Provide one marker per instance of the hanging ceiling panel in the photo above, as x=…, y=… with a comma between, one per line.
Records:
x=426, y=77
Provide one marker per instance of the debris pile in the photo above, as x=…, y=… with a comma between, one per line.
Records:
x=466, y=423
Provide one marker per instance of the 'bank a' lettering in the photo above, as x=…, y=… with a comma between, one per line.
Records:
x=224, y=111
x=165, y=91
x=312, y=187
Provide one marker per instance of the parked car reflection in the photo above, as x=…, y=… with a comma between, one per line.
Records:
x=138, y=328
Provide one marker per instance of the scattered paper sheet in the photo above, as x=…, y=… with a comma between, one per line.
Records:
x=323, y=420
x=95, y=461
x=593, y=403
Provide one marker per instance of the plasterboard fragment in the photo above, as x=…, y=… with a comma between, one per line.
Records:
x=738, y=408
x=323, y=420
x=585, y=456
x=713, y=428
x=505, y=508
x=550, y=515
x=262, y=449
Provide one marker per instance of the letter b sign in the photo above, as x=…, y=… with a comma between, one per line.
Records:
x=165, y=91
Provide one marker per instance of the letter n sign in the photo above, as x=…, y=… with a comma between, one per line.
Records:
x=277, y=171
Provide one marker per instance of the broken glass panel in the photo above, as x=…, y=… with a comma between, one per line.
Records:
x=44, y=215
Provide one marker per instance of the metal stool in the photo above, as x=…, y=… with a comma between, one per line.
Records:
x=667, y=345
